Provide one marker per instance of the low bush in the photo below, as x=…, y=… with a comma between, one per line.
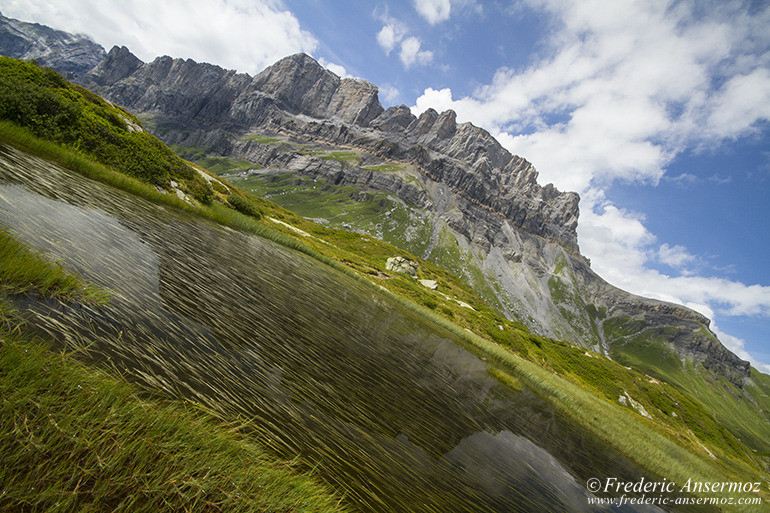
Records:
x=244, y=206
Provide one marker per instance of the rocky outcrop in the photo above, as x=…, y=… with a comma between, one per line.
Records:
x=300, y=85
x=117, y=65
x=399, y=264
x=69, y=54
x=177, y=92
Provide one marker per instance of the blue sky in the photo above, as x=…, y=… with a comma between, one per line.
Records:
x=656, y=111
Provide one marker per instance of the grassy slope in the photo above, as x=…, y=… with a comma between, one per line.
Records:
x=41, y=101
x=731, y=406
x=559, y=367
x=690, y=426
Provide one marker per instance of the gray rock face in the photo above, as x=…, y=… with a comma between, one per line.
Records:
x=71, y=55
x=520, y=235
x=176, y=91
x=300, y=85
x=117, y=65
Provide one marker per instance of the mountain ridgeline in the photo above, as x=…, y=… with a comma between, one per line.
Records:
x=520, y=236
x=482, y=212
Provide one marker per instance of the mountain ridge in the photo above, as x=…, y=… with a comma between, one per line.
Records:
x=72, y=55
x=520, y=235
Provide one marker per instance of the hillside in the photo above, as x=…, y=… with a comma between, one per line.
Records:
x=471, y=207
x=442, y=193
x=516, y=239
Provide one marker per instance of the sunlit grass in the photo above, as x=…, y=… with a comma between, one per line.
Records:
x=72, y=438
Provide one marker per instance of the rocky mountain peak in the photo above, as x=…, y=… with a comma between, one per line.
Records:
x=424, y=123
x=117, y=65
x=300, y=85
x=72, y=55
x=394, y=119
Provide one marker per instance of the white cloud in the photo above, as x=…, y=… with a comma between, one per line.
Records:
x=744, y=100
x=395, y=34
x=626, y=87
x=389, y=93
x=437, y=11
x=337, y=69
x=674, y=256
x=411, y=53
x=434, y=11
x=622, y=251
x=439, y=100
x=246, y=35
x=390, y=35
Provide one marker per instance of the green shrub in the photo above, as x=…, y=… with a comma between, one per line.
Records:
x=40, y=100
x=201, y=190
x=244, y=206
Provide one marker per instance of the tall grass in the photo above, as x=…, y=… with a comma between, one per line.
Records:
x=72, y=438
x=76, y=439
x=634, y=437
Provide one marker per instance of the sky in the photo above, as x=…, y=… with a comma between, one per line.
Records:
x=657, y=112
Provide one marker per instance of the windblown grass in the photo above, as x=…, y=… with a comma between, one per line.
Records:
x=515, y=340
x=640, y=440
x=76, y=439
x=72, y=438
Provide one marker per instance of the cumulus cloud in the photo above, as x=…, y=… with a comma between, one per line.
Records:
x=674, y=256
x=389, y=93
x=412, y=53
x=434, y=11
x=437, y=11
x=247, y=35
x=389, y=36
x=744, y=100
x=337, y=69
x=394, y=34
x=626, y=86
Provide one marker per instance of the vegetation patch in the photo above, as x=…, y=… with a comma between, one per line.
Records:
x=76, y=439
x=386, y=168
x=261, y=139
x=215, y=164
x=23, y=270
x=40, y=100
x=345, y=157
x=244, y=206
